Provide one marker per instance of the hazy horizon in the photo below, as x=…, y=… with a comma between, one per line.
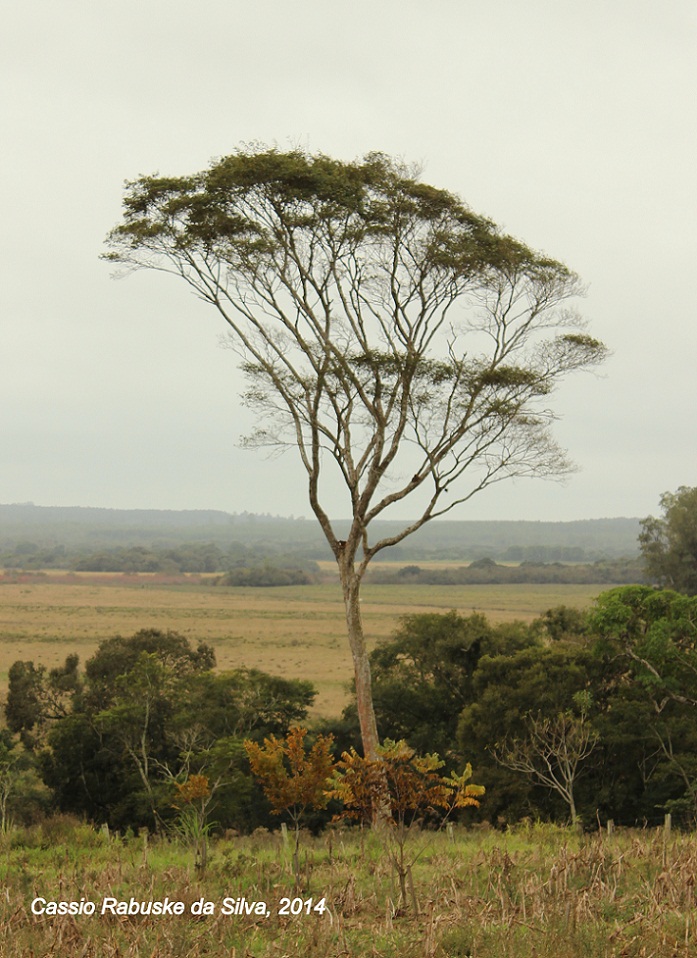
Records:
x=304, y=517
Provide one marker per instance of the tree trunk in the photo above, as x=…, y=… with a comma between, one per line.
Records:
x=351, y=586
x=572, y=808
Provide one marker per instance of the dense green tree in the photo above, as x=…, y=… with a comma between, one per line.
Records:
x=245, y=703
x=393, y=337
x=669, y=544
x=563, y=622
x=655, y=632
x=118, y=655
x=23, y=710
x=265, y=575
x=36, y=697
x=88, y=778
x=9, y=760
x=536, y=680
x=136, y=723
x=22, y=796
x=422, y=676
x=647, y=641
x=148, y=713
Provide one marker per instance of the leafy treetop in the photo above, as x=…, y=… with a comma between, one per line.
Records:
x=669, y=544
x=343, y=285
x=403, y=344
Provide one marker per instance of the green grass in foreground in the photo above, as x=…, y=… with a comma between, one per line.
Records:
x=530, y=893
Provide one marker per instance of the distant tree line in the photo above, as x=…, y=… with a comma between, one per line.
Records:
x=61, y=533
x=242, y=565
x=488, y=572
x=238, y=565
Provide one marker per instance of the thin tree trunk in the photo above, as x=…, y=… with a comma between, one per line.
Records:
x=361, y=666
x=572, y=808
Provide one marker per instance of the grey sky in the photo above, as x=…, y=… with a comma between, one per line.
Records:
x=572, y=125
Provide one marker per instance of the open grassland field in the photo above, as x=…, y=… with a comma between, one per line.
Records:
x=297, y=632
x=536, y=892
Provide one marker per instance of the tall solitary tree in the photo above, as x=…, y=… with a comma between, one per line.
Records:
x=392, y=336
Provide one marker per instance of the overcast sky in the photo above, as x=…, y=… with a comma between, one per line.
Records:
x=570, y=124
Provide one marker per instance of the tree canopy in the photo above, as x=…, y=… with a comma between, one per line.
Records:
x=422, y=676
x=147, y=713
x=391, y=335
x=669, y=544
x=655, y=630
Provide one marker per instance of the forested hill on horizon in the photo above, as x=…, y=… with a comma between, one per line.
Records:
x=26, y=527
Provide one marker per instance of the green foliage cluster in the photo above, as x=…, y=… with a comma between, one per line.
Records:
x=465, y=688
x=148, y=712
x=669, y=544
x=189, y=557
x=269, y=574
x=148, y=717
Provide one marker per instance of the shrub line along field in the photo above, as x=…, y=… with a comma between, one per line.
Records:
x=297, y=632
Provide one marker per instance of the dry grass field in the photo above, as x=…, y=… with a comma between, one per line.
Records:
x=297, y=632
x=531, y=892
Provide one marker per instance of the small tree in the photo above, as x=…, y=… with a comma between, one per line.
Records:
x=10, y=757
x=552, y=753
x=669, y=544
x=192, y=801
x=400, y=788
x=400, y=342
x=294, y=779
